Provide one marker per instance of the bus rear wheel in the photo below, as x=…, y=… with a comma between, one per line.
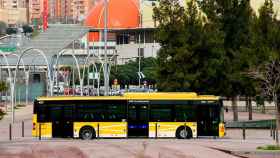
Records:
x=184, y=133
x=87, y=133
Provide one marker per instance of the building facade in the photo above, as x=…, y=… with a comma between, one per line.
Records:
x=60, y=11
x=81, y=8
x=69, y=11
x=35, y=10
x=13, y=12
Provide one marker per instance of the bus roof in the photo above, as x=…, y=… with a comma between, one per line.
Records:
x=137, y=96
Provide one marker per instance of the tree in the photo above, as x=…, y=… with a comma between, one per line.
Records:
x=267, y=71
x=27, y=29
x=171, y=36
x=127, y=73
x=189, y=57
x=3, y=86
x=263, y=27
x=11, y=30
x=270, y=80
x=233, y=18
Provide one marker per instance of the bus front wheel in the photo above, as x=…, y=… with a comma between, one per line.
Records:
x=184, y=132
x=87, y=133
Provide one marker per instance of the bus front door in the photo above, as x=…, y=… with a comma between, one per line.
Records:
x=138, y=124
x=62, y=121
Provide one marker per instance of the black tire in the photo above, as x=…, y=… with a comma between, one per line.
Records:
x=184, y=133
x=87, y=133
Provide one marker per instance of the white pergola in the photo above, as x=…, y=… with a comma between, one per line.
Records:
x=51, y=47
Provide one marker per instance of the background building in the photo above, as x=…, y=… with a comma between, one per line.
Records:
x=60, y=11
x=13, y=12
x=81, y=8
x=35, y=11
x=69, y=11
x=131, y=29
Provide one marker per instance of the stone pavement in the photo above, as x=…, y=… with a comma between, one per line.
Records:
x=135, y=148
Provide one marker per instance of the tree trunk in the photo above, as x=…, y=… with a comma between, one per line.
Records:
x=247, y=103
x=277, y=121
x=234, y=108
x=263, y=108
x=250, y=108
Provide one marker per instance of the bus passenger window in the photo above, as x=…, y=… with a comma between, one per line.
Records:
x=42, y=114
x=161, y=113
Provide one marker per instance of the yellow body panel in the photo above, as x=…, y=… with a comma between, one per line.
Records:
x=106, y=129
x=168, y=129
x=119, y=129
x=46, y=128
x=138, y=96
x=221, y=129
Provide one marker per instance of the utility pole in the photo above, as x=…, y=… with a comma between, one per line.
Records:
x=106, y=76
x=139, y=42
x=139, y=61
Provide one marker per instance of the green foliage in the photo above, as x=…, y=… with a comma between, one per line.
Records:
x=2, y=113
x=207, y=55
x=235, y=21
x=27, y=29
x=191, y=56
x=20, y=105
x=11, y=30
x=269, y=147
x=3, y=86
x=35, y=33
x=127, y=73
x=266, y=39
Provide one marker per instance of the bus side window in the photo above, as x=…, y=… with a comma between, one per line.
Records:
x=116, y=112
x=161, y=113
x=185, y=113
x=42, y=113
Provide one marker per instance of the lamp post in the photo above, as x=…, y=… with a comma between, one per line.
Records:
x=106, y=76
x=139, y=61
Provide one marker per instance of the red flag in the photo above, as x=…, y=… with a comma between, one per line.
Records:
x=45, y=15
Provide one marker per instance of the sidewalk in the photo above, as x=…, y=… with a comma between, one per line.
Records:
x=21, y=114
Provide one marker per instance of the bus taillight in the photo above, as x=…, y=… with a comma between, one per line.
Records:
x=34, y=126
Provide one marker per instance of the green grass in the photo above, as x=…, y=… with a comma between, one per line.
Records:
x=269, y=147
x=20, y=105
x=35, y=33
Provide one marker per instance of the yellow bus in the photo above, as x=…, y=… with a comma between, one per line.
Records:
x=147, y=115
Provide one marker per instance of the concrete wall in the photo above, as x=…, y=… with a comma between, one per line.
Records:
x=127, y=52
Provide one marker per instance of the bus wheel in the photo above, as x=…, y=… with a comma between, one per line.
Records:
x=87, y=133
x=184, y=133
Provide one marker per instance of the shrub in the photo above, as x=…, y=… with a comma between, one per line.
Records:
x=269, y=147
x=2, y=113
x=20, y=105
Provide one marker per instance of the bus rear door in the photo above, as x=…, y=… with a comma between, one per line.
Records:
x=138, y=119
x=62, y=119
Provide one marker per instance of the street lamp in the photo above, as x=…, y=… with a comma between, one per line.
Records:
x=106, y=79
